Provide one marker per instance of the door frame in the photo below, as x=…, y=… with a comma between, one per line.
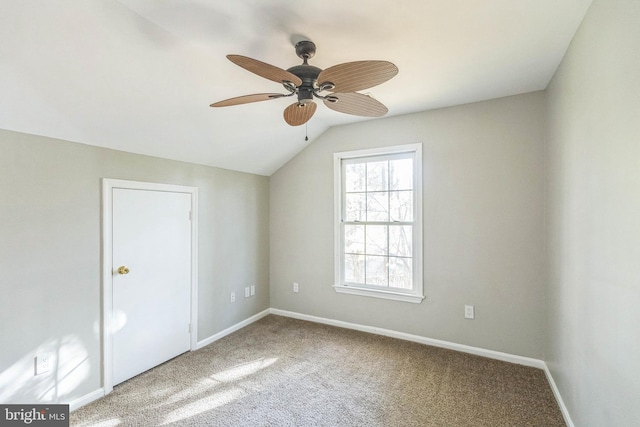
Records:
x=108, y=185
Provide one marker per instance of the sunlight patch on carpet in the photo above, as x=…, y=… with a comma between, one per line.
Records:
x=200, y=387
x=203, y=405
x=238, y=372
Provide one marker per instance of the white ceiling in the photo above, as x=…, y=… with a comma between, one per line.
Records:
x=139, y=75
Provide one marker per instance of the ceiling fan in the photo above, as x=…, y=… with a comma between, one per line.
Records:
x=340, y=83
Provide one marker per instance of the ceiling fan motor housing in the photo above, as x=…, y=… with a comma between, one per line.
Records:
x=309, y=76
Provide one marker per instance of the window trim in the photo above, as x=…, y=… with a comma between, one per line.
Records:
x=417, y=294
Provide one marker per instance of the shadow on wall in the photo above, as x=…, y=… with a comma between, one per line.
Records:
x=68, y=367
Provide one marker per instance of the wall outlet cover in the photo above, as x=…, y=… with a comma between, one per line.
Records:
x=43, y=363
x=469, y=312
x=253, y=290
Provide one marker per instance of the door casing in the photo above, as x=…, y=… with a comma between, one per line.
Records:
x=108, y=185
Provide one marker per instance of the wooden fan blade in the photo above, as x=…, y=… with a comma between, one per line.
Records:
x=298, y=114
x=359, y=75
x=265, y=70
x=357, y=104
x=256, y=97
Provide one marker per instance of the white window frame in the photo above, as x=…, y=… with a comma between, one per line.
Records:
x=415, y=295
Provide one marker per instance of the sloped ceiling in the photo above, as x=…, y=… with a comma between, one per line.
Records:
x=139, y=75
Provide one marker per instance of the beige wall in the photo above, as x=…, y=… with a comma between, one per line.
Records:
x=50, y=255
x=493, y=201
x=483, y=226
x=593, y=216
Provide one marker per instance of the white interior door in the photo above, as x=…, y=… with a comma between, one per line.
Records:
x=151, y=241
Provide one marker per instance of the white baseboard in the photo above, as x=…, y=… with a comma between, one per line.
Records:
x=556, y=393
x=97, y=394
x=232, y=329
x=86, y=399
x=506, y=357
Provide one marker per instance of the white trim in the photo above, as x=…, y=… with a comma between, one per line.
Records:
x=97, y=394
x=497, y=355
x=506, y=357
x=337, y=215
x=194, y=268
x=556, y=393
x=86, y=399
x=389, y=149
x=491, y=354
x=107, y=245
x=376, y=293
x=231, y=329
x=417, y=293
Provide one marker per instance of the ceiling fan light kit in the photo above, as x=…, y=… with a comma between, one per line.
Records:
x=341, y=83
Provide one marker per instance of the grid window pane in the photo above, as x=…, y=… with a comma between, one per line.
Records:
x=354, y=239
x=378, y=206
x=401, y=174
x=355, y=175
x=400, y=273
x=354, y=268
x=355, y=206
x=376, y=240
x=400, y=240
x=377, y=176
x=401, y=206
x=377, y=273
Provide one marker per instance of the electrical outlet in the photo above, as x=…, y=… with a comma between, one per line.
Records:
x=468, y=312
x=247, y=292
x=43, y=363
x=296, y=287
x=253, y=290
x=233, y=297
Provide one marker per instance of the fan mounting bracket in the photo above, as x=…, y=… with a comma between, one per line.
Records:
x=305, y=50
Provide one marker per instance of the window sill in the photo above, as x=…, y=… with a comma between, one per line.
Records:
x=396, y=296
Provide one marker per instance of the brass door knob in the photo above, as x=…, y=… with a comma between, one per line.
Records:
x=123, y=270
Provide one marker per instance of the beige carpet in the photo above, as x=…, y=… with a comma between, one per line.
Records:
x=285, y=372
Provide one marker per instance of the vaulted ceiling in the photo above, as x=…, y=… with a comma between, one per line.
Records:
x=139, y=75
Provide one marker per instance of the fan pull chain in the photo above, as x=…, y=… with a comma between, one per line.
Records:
x=306, y=133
